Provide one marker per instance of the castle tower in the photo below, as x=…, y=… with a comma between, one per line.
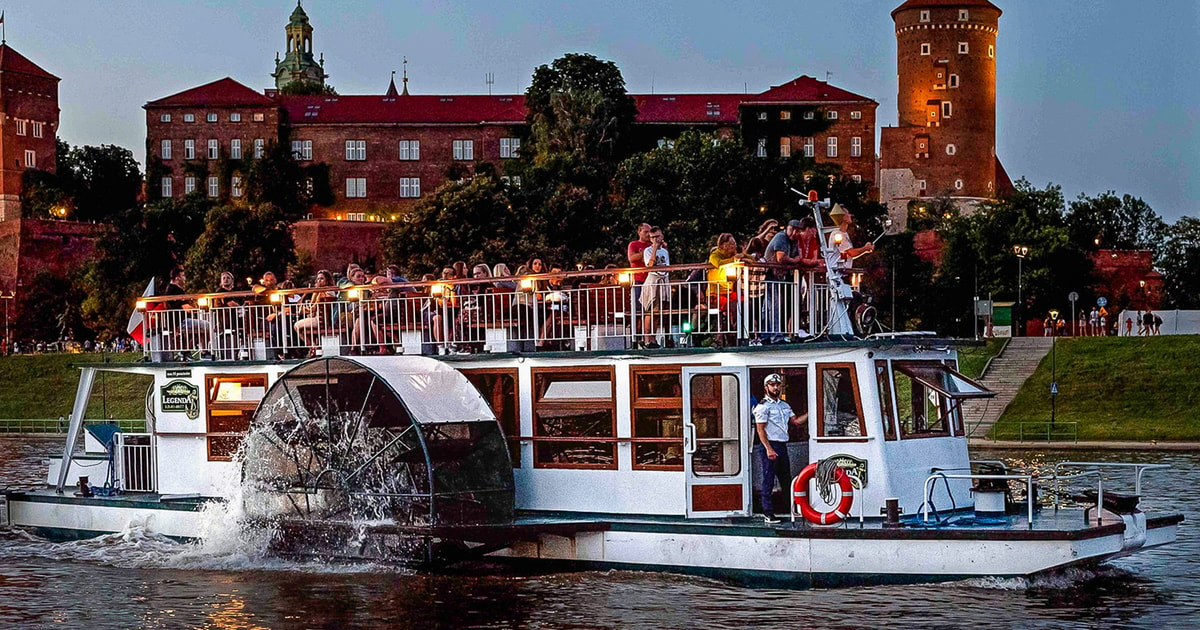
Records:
x=945, y=140
x=298, y=64
x=28, y=125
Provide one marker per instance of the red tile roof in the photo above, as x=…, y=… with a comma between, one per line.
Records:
x=13, y=61
x=805, y=89
x=458, y=109
x=222, y=92
x=935, y=4
x=688, y=108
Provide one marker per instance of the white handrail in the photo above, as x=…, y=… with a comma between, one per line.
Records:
x=1137, y=467
x=931, y=478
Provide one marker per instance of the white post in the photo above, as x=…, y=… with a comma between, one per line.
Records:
x=83, y=392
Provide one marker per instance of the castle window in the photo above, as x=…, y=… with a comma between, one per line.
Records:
x=958, y=184
x=762, y=115
x=954, y=80
x=857, y=178
x=21, y=128
x=666, y=143
x=785, y=114
x=258, y=148
x=926, y=49
x=30, y=159
x=165, y=186
x=510, y=147
x=856, y=147
x=831, y=147
x=921, y=185
x=809, y=115
x=259, y=117
x=235, y=187
x=855, y=115
x=809, y=151
x=464, y=149
x=990, y=186
x=211, y=117
x=235, y=149
x=37, y=129
x=831, y=115
x=963, y=48
x=302, y=149
x=963, y=15
x=991, y=52
x=214, y=149
x=356, y=150
x=356, y=187
x=165, y=152
x=785, y=147
x=761, y=149
x=213, y=187
x=189, y=149
x=951, y=149
x=189, y=185
x=410, y=150
x=946, y=109
x=356, y=216
x=188, y=117
x=164, y=118
x=410, y=187
x=712, y=109
x=235, y=117
x=925, y=15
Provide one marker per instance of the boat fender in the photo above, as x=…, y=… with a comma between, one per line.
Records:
x=843, y=485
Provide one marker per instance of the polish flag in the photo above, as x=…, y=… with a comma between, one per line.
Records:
x=137, y=319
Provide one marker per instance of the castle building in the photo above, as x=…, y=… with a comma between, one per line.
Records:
x=28, y=125
x=945, y=139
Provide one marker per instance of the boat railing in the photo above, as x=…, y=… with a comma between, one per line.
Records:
x=1097, y=469
x=135, y=462
x=927, y=490
x=580, y=310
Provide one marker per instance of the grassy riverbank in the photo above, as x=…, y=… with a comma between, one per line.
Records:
x=43, y=387
x=1117, y=388
x=972, y=359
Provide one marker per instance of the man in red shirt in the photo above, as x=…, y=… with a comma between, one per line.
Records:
x=635, y=258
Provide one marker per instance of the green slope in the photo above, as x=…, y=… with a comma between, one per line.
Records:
x=43, y=387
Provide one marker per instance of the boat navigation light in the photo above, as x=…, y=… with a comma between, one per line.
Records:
x=837, y=238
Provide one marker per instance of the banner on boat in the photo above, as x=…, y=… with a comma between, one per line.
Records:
x=852, y=465
x=181, y=396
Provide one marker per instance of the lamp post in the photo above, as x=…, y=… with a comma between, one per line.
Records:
x=1021, y=251
x=11, y=295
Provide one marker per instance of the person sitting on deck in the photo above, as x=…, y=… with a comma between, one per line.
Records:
x=317, y=311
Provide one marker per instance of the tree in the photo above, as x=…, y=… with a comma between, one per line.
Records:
x=44, y=195
x=1180, y=263
x=578, y=105
x=1113, y=222
x=103, y=180
x=279, y=180
x=244, y=240
x=50, y=310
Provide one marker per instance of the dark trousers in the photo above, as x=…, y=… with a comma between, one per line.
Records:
x=780, y=467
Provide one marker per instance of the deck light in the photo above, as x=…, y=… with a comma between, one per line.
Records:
x=203, y=302
x=837, y=238
x=438, y=289
x=353, y=294
x=624, y=277
x=731, y=270
x=276, y=298
x=140, y=305
x=527, y=284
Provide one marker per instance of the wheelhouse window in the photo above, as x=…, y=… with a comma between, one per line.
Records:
x=929, y=397
x=574, y=419
x=232, y=400
x=884, y=384
x=838, y=402
x=657, y=404
x=499, y=389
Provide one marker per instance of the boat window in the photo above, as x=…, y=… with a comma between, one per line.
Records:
x=232, y=400
x=717, y=416
x=574, y=419
x=884, y=385
x=499, y=389
x=929, y=396
x=657, y=418
x=838, y=402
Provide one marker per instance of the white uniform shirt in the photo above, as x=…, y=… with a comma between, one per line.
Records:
x=775, y=414
x=836, y=249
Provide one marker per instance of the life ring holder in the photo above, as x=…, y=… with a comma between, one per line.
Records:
x=810, y=514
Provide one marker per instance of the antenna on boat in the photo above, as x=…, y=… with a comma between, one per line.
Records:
x=840, y=292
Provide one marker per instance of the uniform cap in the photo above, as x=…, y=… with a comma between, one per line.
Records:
x=773, y=378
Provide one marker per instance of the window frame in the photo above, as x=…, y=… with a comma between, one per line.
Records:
x=820, y=369
x=856, y=146
x=831, y=115
x=831, y=147
x=246, y=407
x=37, y=129
x=964, y=48
x=214, y=187
x=947, y=109
x=463, y=150
x=259, y=148
x=235, y=117
x=164, y=118
x=810, y=147
x=165, y=187
x=514, y=437
x=413, y=184
x=510, y=148
x=164, y=149
x=887, y=405
x=235, y=149
x=952, y=81
x=235, y=187
x=30, y=158
x=189, y=149
x=923, y=15
x=189, y=184
x=210, y=117
x=539, y=406
x=359, y=188
x=408, y=150
x=356, y=150
x=856, y=115
x=22, y=127
x=658, y=402
x=189, y=118
x=926, y=49
x=214, y=149
x=785, y=147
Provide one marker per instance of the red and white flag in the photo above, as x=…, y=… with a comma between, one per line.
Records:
x=136, y=319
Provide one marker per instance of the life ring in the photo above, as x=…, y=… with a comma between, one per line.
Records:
x=810, y=514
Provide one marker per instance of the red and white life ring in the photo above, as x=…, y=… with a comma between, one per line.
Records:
x=800, y=496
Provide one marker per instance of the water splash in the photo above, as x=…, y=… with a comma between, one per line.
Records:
x=1064, y=579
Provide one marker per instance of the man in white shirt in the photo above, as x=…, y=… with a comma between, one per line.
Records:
x=771, y=419
x=840, y=245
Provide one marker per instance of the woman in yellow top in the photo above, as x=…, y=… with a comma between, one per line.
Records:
x=721, y=294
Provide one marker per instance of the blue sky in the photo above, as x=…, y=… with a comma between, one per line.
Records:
x=1092, y=94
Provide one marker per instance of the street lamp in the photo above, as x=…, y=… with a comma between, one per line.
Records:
x=7, y=297
x=1021, y=251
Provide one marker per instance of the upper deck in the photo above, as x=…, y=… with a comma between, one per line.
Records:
x=737, y=305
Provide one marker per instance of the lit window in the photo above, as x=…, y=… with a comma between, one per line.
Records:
x=235, y=187
x=410, y=187
x=951, y=149
x=831, y=115
x=762, y=115
x=410, y=149
x=235, y=149
x=857, y=178
x=809, y=115
x=809, y=149
x=761, y=150
x=356, y=150
x=259, y=117
x=30, y=159
x=712, y=109
x=921, y=185
x=164, y=118
x=926, y=49
x=356, y=187
x=785, y=115
x=855, y=115
x=189, y=185
x=963, y=15
x=946, y=109
x=356, y=216
x=165, y=152
x=258, y=148
x=785, y=147
x=958, y=184
x=21, y=130
x=166, y=186
x=574, y=419
x=37, y=129
x=954, y=80
x=302, y=149
x=963, y=48
x=214, y=149
x=235, y=117
x=213, y=187
x=991, y=52
x=211, y=117
x=925, y=15
x=831, y=147
x=856, y=147
x=189, y=149
x=510, y=147
x=464, y=149
x=189, y=118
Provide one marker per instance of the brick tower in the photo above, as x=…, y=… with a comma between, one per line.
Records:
x=298, y=64
x=28, y=125
x=945, y=140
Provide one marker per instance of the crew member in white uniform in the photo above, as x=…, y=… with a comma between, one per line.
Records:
x=771, y=419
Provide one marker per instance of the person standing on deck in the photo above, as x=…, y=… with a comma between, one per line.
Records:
x=771, y=419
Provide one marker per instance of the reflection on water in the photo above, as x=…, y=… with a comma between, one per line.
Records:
x=137, y=580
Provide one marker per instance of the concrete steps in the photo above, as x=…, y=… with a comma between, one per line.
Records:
x=1005, y=376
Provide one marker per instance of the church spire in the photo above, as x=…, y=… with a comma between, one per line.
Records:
x=298, y=64
x=391, y=91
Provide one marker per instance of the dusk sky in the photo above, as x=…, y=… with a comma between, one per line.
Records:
x=1093, y=95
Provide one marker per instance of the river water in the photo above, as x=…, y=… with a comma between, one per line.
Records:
x=136, y=580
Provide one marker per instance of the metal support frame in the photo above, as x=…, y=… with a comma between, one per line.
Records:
x=83, y=393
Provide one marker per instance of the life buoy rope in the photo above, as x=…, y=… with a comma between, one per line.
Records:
x=810, y=514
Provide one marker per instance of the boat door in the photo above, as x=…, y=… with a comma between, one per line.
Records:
x=715, y=441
